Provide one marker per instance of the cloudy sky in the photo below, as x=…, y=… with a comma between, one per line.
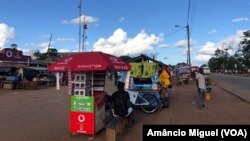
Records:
x=126, y=27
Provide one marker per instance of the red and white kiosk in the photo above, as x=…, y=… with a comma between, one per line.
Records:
x=86, y=81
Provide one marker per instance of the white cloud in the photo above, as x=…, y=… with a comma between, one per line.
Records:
x=183, y=43
x=6, y=33
x=202, y=58
x=208, y=50
x=212, y=32
x=122, y=19
x=45, y=35
x=42, y=47
x=119, y=36
x=26, y=51
x=163, y=46
x=241, y=19
x=232, y=41
x=88, y=20
x=65, y=39
x=119, y=44
x=64, y=50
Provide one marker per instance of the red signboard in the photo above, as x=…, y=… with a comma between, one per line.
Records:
x=12, y=54
x=82, y=123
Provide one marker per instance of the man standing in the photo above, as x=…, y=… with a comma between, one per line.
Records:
x=202, y=87
x=196, y=81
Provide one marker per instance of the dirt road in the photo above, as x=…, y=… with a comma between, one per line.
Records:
x=43, y=115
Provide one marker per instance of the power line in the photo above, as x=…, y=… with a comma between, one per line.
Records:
x=193, y=11
x=188, y=28
x=171, y=33
x=189, y=3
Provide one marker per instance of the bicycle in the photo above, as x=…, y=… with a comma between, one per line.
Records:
x=148, y=101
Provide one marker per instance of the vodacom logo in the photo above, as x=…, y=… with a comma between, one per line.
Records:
x=81, y=118
x=9, y=53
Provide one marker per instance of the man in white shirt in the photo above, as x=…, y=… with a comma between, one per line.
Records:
x=202, y=87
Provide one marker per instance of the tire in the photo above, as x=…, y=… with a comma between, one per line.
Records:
x=153, y=103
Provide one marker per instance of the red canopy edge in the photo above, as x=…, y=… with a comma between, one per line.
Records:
x=87, y=61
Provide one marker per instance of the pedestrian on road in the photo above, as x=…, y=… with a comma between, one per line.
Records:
x=196, y=81
x=202, y=88
x=164, y=84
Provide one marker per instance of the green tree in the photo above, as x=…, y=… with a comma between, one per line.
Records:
x=125, y=58
x=245, y=50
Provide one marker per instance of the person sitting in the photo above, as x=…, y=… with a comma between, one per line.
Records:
x=121, y=106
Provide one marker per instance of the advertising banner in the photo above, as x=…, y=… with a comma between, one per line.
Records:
x=82, y=115
x=82, y=123
x=82, y=104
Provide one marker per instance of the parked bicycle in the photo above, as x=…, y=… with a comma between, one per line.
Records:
x=149, y=102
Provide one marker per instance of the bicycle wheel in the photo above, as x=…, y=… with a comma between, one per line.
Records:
x=153, y=103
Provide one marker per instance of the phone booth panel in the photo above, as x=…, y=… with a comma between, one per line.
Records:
x=99, y=110
x=82, y=115
x=82, y=123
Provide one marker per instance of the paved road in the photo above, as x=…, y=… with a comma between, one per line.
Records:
x=237, y=85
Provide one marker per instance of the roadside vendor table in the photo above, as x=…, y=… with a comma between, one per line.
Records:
x=46, y=82
x=27, y=85
x=10, y=85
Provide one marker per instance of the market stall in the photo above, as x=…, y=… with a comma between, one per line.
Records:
x=144, y=72
x=86, y=80
x=144, y=79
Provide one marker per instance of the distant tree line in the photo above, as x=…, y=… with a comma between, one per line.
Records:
x=239, y=61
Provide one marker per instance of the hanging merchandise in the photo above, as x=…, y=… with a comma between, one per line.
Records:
x=133, y=72
x=149, y=69
x=146, y=70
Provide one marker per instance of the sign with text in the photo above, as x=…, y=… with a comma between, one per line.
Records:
x=82, y=104
x=82, y=115
x=82, y=123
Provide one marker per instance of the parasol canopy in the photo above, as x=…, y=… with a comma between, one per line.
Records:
x=87, y=61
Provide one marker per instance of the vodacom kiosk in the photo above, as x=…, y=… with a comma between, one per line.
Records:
x=87, y=106
x=86, y=87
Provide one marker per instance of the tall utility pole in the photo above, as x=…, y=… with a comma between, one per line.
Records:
x=188, y=43
x=188, y=46
x=84, y=34
x=80, y=26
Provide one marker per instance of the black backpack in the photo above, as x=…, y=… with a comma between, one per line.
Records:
x=120, y=104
